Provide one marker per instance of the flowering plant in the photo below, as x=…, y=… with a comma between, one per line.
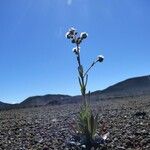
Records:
x=87, y=122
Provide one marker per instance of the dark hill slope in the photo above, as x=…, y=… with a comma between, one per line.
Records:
x=130, y=87
x=5, y=105
x=44, y=100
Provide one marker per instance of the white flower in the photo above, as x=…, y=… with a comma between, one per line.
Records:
x=76, y=50
x=100, y=58
x=83, y=35
x=72, y=31
x=67, y=35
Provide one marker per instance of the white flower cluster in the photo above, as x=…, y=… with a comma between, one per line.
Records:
x=72, y=34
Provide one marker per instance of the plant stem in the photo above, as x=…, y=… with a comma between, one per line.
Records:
x=81, y=72
x=89, y=68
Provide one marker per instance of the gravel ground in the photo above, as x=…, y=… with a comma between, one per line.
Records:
x=48, y=128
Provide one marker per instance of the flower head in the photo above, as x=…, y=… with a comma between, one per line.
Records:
x=76, y=50
x=83, y=35
x=72, y=31
x=67, y=35
x=100, y=58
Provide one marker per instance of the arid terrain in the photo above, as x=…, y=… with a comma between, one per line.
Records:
x=48, y=127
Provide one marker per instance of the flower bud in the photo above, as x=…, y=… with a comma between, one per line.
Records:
x=79, y=40
x=67, y=35
x=83, y=35
x=76, y=50
x=100, y=58
x=73, y=40
x=72, y=31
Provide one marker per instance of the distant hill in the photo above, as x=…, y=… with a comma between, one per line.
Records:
x=50, y=99
x=4, y=105
x=130, y=87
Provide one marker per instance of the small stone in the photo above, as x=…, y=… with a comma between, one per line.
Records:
x=54, y=120
x=83, y=146
x=121, y=148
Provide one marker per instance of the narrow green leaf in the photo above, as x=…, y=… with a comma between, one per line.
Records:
x=80, y=70
x=95, y=123
x=80, y=82
x=86, y=80
x=92, y=125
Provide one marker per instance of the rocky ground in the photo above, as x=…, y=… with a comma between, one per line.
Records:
x=48, y=128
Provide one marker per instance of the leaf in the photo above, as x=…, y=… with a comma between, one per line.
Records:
x=89, y=96
x=87, y=123
x=83, y=90
x=95, y=124
x=80, y=70
x=86, y=80
x=80, y=82
x=92, y=125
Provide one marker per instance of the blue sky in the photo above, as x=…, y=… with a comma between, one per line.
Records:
x=36, y=59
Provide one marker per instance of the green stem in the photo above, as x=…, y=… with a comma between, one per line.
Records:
x=83, y=86
x=89, y=68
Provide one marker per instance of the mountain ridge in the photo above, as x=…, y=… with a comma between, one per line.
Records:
x=129, y=87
